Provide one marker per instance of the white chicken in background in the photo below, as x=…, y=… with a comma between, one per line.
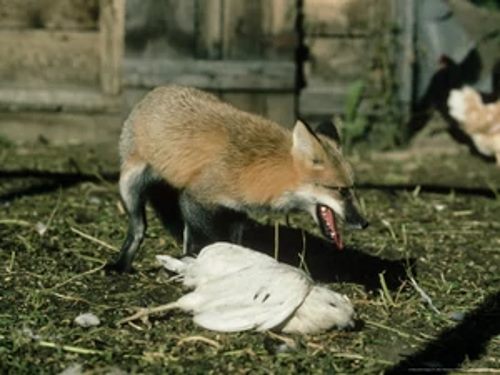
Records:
x=480, y=121
x=238, y=289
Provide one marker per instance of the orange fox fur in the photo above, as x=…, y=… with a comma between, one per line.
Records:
x=221, y=154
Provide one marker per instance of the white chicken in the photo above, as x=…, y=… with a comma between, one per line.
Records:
x=480, y=121
x=238, y=289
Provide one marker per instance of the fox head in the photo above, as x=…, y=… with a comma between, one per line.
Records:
x=326, y=180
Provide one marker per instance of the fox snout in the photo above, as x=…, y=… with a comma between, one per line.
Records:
x=353, y=218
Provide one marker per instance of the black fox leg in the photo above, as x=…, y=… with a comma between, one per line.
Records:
x=194, y=240
x=197, y=228
x=165, y=201
x=207, y=224
x=133, y=185
x=236, y=230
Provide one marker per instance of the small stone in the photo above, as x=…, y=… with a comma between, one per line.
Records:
x=275, y=347
x=439, y=207
x=41, y=228
x=457, y=316
x=87, y=320
x=95, y=201
x=75, y=369
x=28, y=332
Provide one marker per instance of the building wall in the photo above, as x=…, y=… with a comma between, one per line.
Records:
x=85, y=58
x=241, y=50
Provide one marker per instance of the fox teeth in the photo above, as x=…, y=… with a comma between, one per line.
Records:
x=326, y=217
x=324, y=212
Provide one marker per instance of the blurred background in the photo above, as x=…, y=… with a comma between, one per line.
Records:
x=70, y=70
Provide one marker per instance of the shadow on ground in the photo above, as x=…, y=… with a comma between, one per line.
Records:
x=324, y=261
x=467, y=340
x=47, y=182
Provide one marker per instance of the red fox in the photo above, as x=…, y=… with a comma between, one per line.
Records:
x=224, y=162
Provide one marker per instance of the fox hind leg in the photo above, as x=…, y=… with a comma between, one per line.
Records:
x=133, y=185
x=197, y=226
x=204, y=224
x=165, y=201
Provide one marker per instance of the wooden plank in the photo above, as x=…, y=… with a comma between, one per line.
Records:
x=65, y=100
x=61, y=128
x=404, y=18
x=69, y=14
x=210, y=74
x=339, y=17
x=17, y=14
x=259, y=29
x=242, y=36
x=35, y=58
x=280, y=36
x=321, y=101
x=279, y=16
x=337, y=61
x=163, y=29
x=249, y=102
x=49, y=14
x=111, y=25
x=276, y=106
x=209, y=30
x=280, y=107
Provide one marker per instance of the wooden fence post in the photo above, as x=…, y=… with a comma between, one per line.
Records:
x=111, y=25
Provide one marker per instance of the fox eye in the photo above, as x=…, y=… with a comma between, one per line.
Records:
x=331, y=187
x=344, y=191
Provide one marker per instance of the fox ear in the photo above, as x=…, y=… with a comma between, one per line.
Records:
x=306, y=144
x=328, y=129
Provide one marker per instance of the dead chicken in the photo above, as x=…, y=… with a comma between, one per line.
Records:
x=238, y=289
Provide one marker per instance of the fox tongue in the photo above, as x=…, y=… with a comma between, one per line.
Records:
x=330, y=225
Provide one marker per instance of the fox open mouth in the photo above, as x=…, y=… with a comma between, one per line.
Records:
x=328, y=225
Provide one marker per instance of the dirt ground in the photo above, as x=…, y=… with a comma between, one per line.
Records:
x=434, y=212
